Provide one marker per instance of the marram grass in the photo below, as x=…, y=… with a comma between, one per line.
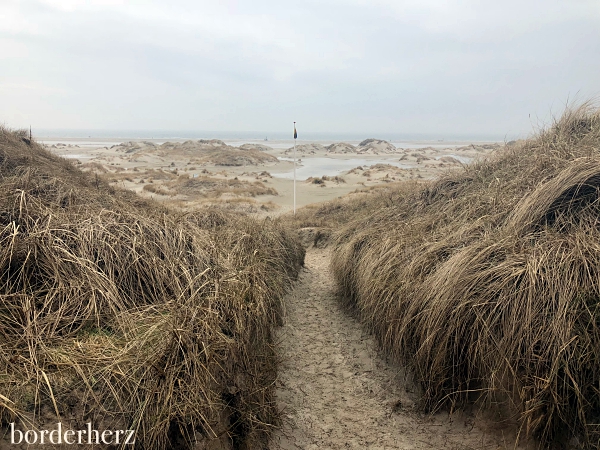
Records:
x=487, y=281
x=117, y=310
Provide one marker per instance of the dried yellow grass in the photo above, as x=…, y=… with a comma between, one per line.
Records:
x=117, y=310
x=487, y=281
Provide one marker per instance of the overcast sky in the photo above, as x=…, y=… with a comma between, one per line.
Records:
x=361, y=66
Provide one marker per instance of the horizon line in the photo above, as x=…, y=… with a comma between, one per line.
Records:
x=259, y=134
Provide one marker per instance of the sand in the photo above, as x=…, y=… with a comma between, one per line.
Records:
x=335, y=391
x=134, y=165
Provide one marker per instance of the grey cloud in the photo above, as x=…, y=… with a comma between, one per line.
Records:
x=352, y=66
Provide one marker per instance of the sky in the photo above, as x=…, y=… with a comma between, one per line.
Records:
x=429, y=67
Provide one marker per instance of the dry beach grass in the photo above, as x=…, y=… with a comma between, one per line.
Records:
x=117, y=310
x=122, y=311
x=486, y=281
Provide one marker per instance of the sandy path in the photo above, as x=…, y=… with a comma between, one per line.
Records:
x=335, y=392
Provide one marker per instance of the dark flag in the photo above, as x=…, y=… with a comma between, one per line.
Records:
x=295, y=132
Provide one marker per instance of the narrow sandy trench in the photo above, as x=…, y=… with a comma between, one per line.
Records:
x=336, y=392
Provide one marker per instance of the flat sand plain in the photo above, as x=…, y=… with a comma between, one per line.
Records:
x=258, y=177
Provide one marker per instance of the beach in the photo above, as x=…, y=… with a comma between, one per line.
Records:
x=257, y=175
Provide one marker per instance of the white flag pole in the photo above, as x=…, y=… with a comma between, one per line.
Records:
x=294, y=168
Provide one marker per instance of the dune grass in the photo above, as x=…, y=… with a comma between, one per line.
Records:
x=119, y=311
x=210, y=187
x=486, y=282
x=338, y=212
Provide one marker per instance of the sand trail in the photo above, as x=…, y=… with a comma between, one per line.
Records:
x=336, y=392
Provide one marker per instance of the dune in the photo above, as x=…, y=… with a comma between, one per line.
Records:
x=306, y=149
x=118, y=311
x=260, y=147
x=212, y=151
x=375, y=146
x=484, y=282
x=341, y=147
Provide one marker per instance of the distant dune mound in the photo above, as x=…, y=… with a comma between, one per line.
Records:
x=341, y=147
x=215, y=142
x=375, y=146
x=213, y=151
x=307, y=149
x=234, y=157
x=259, y=147
x=194, y=146
x=135, y=147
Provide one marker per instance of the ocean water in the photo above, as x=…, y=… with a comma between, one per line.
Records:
x=277, y=140
x=303, y=135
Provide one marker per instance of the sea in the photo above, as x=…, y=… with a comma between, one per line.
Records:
x=277, y=139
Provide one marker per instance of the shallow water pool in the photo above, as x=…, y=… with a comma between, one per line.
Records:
x=317, y=167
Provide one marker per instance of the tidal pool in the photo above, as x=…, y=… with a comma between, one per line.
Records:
x=317, y=167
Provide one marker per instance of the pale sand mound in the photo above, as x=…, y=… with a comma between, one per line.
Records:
x=259, y=147
x=306, y=149
x=341, y=147
x=335, y=392
x=211, y=151
x=376, y=146
x=134, y=147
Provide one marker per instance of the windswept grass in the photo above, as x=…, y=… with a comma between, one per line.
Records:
x=117, y=310
x=338, y=212
x=211, y=187
x=487, y=281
